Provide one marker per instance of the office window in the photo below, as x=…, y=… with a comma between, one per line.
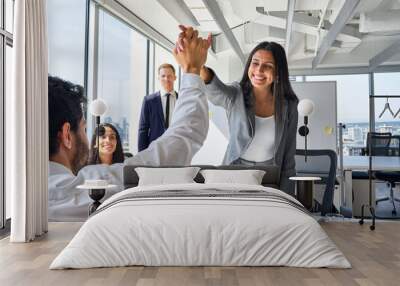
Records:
x=161, y=56
x=6, y=42
x=121, y=77
x=387, y=84
x=9, y=13
x=151, y=66
x=8, y=79
x=352, y=108
x=2, y=141
x=66, y=39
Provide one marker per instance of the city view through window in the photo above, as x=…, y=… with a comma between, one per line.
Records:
x=355, y=135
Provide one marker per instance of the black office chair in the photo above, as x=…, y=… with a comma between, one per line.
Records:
x=323, y=164
x=380, y=143
x=393, y=149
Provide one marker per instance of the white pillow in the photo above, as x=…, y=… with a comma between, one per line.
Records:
x=166, y=176
x=248, y=177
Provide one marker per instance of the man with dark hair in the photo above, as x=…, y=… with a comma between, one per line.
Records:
x=157, y=108
x=68, y=154
x=68, y=145
x=67, y=124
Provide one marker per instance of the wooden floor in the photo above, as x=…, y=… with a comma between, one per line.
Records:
x=374, y=255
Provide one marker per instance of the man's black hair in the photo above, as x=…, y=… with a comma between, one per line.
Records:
x=65, y=105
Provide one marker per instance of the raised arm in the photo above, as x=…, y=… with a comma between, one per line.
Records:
x=219, y=93
x=206, y=74
x=189, y=124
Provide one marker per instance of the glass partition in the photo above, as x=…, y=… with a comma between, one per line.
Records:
x=66, y=39
x=9, y=15
x=387, y=105
x=121, y=76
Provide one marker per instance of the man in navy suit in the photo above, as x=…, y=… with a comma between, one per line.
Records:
x=157, y=108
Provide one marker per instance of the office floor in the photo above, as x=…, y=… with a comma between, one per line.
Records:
x=375, y=257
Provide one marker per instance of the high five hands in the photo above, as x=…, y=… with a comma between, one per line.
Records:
x=190, y=50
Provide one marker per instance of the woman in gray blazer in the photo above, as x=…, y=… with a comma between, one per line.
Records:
x=261, y=111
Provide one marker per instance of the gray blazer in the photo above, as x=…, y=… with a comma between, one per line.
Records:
x=241, y=122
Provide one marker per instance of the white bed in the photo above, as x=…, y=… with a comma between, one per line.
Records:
x=246, y=225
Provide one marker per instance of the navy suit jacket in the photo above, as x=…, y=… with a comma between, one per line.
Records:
x=152, y=123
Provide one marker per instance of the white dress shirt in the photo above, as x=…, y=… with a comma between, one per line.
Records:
x=172, y=102
x=66, y=202
x=177, y=146
x=262, y=146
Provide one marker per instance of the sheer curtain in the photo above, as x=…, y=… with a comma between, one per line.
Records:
x=27, y=122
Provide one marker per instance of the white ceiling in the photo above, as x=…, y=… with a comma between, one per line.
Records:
x=373, y=27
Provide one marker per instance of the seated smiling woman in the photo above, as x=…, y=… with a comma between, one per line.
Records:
x=110, y=151
x=261, y=110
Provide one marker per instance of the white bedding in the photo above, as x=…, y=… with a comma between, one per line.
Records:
x=183, y=231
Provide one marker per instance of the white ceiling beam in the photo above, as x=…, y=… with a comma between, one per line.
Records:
x=345, y=14
x=297, y=18
x=385, y=55
x=303, y=23
x=249, y=34
x=180, y=11
x=289, y=22
x=320, y=22
x=219, y=18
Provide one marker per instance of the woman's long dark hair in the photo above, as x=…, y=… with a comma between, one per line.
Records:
x=118, y=155
x=281, y=87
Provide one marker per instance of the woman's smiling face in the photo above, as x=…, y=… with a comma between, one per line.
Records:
x=108, y=141
x=262, y=69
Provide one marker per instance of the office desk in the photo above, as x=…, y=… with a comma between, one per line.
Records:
x=361, y=163
x=379, y=163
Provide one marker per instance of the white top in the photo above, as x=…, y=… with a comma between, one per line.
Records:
x=172, y=101
x=262, y=146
